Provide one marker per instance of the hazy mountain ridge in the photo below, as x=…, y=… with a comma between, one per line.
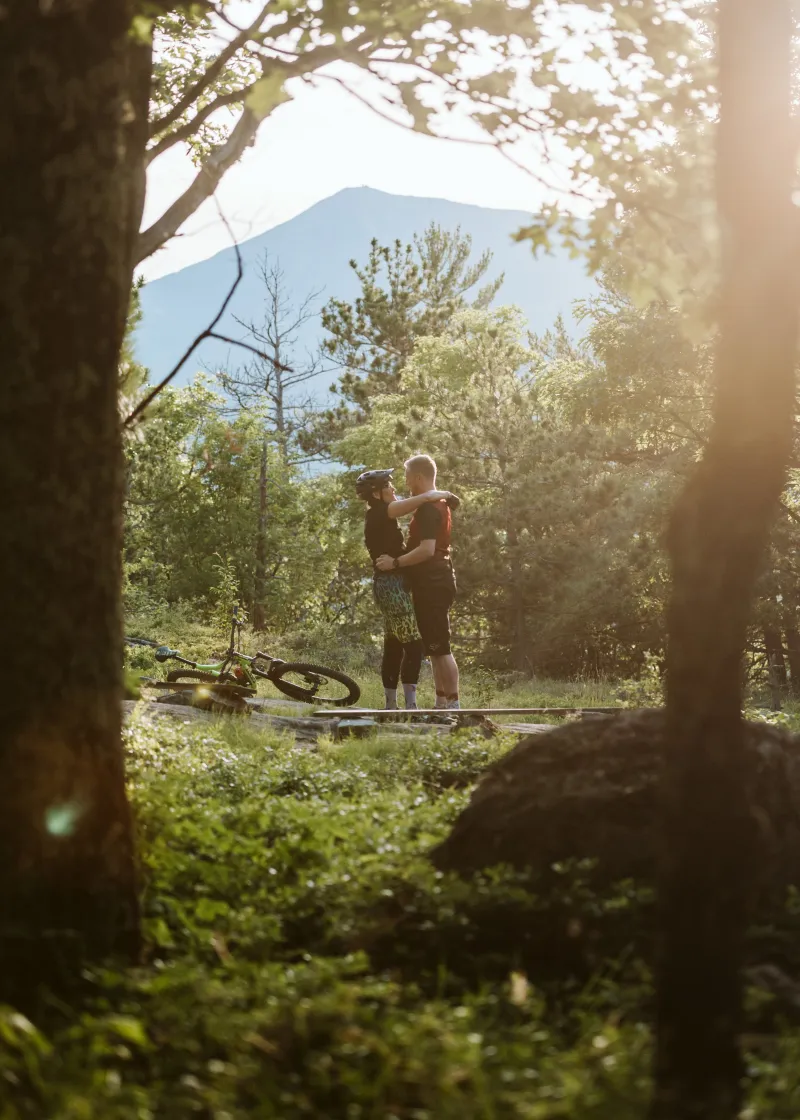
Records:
x=314, y=250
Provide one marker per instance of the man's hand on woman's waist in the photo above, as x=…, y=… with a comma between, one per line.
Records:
x=423, y=551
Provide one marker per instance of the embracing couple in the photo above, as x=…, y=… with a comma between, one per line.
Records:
x=414, y=583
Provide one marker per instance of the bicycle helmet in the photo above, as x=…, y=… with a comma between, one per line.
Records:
x=370, y=481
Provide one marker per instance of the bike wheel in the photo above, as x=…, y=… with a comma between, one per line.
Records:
x=315, y=684
x=181, y=675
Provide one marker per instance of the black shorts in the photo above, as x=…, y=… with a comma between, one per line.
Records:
x=433, y=598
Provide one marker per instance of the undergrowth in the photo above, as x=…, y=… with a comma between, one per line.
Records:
x=304, y=959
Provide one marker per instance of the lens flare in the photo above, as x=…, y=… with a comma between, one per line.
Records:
x=60, y=820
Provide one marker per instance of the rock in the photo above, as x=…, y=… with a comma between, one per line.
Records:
x=264, y=703
x=589, y=790
x=774, y=982
x=305, y=730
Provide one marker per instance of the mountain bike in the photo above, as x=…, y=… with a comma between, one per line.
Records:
x=311, y=684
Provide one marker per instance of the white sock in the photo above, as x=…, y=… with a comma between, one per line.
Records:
x=391, y=699
x=453, y=702
x=410, y=693
x=441, y=700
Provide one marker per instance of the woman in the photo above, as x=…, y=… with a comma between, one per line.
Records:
x=402, y=646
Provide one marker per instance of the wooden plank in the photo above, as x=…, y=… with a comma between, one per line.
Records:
x=402, y=713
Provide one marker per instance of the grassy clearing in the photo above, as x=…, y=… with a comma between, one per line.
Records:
x=479, y=688
x=304, y=959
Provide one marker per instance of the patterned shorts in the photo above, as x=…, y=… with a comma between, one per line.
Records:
x=396, y=605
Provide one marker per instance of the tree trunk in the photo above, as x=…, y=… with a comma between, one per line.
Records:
x=280, y=413
x=793, y=655
x=518, y=623
x=718, y=535
x=259, y=618
x=67, y=868
x=776, y=666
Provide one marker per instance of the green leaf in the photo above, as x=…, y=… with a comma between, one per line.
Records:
x=142, y=28
x=132, y=1030
x=208, y=910
x=266, y=94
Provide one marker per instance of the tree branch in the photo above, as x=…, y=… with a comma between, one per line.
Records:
x=211, y=74
x=148, y=400
x=246, y=346
x=209, y=332
x=230, y=152
x=201, y=188
x=189, y=128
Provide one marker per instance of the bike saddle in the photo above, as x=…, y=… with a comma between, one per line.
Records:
x=163, y=653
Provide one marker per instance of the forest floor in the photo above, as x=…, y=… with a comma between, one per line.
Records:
x=304, y=959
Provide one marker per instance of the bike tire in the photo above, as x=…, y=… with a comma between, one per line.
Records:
x=310, y=694
x=180, y=675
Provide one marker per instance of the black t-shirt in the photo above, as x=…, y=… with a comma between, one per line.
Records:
x=431, y=521
x=382, y=535
x=428, y=518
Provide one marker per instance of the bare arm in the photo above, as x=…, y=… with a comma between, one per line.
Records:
x=402, y=506
x=423, y=551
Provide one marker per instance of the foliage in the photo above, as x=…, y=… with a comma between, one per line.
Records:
x=407, y=292
x=193, y=495
x=567, y=456
x=266, y=868
x=225, y=594
x=605, y=84
x=132, y=375
x=303, y=958
x=544, y=527
x=647, y=690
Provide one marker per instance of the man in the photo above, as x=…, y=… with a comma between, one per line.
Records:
x=430, y=570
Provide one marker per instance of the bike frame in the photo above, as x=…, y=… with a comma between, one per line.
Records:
x=232, y=658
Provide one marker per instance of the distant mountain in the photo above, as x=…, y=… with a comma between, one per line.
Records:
x=314, y=250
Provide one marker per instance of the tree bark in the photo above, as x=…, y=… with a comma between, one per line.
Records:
x=776, y=666
x=793, y=655
x=67, y=198
x=259, y=619
x=518, y=622
x=717, y=539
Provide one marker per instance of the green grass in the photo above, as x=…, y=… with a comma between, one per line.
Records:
x=479, y=688
x=484, y=690
x=304, y=959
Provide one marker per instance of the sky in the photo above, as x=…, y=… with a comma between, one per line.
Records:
x=321, y=141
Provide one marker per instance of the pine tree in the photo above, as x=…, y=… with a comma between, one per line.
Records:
x=407, y=292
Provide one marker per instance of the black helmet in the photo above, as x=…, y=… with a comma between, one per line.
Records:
x=370, y=481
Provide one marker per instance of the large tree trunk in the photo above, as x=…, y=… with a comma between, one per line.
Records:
x=718, y=536
x=68, y=198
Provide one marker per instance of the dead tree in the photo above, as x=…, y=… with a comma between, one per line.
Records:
x=268, y=388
